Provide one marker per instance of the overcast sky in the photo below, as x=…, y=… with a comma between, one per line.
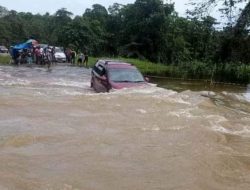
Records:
x=75, y=6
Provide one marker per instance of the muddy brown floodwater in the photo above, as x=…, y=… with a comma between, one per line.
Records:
x=57, y=134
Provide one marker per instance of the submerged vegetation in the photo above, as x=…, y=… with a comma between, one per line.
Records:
x=150, y=30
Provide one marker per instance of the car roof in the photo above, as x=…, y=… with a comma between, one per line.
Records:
x=114, y=63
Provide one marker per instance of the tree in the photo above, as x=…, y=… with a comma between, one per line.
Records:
x=244, y=19
x=227, y=7
x=144, y=29
x=98, y=12
x=3, y=12
x=234, y=37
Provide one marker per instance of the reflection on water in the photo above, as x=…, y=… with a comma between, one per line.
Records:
x=56, y=133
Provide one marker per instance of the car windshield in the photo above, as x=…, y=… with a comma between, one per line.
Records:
x=58, y=50
x=125, y=75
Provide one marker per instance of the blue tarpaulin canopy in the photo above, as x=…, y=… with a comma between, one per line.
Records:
x=27, y=45
x=23, y=46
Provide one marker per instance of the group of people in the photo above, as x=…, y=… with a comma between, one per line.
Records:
x=21, y=56
x=36, y=54
x=44, y=56
x=72, y=57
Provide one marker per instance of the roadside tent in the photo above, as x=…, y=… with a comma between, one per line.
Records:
x=27, y=45
x=23, y=46
x=15, y=49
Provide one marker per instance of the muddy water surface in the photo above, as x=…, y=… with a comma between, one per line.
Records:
x=56, y=133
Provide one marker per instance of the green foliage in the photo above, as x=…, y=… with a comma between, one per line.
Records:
x=5, y=59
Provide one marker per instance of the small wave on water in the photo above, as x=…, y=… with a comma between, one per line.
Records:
x=5, y=75
x=150, y=89
x=67, y=83
x=247, y=96
x=241, y=97
x=15, y=82
x=243, y=131
x=71, y=92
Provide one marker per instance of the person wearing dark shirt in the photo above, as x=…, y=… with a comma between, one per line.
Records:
x=73, y=57
x=86, y=59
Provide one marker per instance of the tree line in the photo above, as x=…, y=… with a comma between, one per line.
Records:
x=147, y=29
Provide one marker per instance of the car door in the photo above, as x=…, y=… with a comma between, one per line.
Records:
x=99, y=79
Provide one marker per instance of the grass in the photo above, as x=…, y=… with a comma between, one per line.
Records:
x=5, y=59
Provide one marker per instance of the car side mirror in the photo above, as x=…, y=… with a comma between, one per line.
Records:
x=146, y=79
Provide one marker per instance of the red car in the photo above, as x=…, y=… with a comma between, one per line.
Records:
x=109, y=74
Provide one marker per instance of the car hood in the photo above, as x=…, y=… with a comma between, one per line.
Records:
x=120, y=85
x=60, y=54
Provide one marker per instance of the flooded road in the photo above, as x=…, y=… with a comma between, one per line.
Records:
x=57, y=134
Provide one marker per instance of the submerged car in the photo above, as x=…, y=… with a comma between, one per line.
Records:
x=109, y=74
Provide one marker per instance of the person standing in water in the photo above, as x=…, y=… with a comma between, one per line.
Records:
x=86, y=59
x=29, y=57
x=80, y=59
x=73, y=57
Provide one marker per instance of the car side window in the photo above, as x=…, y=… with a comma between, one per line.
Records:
x=99, y=69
